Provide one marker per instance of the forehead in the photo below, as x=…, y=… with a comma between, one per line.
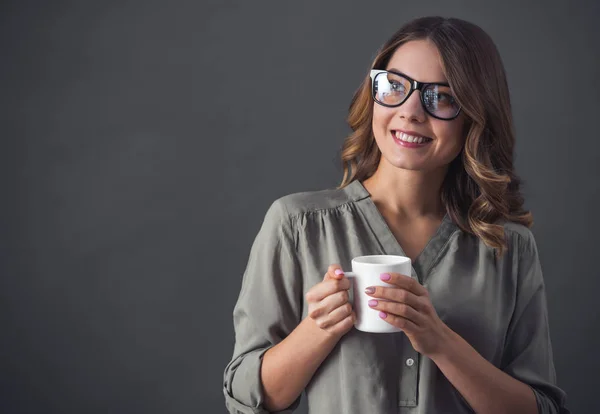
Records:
x=419, y=59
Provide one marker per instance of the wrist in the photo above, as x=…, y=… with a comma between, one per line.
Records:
x=446, y=344
x=321, y=336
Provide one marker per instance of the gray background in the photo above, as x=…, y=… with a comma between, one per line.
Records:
x=142, y=142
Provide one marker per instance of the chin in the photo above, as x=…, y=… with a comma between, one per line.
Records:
x=411, y=165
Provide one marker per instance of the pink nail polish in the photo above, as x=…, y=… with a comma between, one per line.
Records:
x=339, y=272
x=373, y=302
x=370, y=290
x=385, y=277
x=382, y=315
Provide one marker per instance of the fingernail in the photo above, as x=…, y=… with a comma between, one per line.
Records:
x=339, y=272
x=382, y=315
x=385, y=276
x=373, y=302
x=370, y=290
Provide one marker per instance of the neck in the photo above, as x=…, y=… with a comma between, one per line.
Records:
x=406, y=193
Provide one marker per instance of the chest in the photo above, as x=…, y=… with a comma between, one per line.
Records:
x=412, y=236
x=474, y=296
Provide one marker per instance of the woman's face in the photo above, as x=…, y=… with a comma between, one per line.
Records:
x=420, y=60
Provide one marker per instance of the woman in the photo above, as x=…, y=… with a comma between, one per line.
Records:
x=428, y=173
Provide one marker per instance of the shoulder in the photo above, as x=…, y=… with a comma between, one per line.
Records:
x=289, y=209
x=525, y=259
x=520, y=238
x=516, y=230
x=301, y=203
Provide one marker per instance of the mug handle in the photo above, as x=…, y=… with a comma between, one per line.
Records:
x=351, y=292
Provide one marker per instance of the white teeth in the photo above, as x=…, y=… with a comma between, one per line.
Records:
x=409, y=138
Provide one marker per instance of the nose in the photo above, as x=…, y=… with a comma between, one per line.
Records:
x=412, y=109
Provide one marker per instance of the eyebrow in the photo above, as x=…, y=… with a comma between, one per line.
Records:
x=404, y=74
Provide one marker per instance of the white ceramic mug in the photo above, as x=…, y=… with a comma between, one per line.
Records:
x=365, y=272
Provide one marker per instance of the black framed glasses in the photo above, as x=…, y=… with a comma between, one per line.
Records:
x=392, y=89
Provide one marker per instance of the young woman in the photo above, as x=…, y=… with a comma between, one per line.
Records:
x=428, y=174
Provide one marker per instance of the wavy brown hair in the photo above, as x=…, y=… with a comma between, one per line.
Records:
x=480, y=189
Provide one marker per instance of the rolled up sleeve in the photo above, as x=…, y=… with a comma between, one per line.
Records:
x=268, y=308
x=528, y=350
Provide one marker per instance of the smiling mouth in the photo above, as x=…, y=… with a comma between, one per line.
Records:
x=410, y=139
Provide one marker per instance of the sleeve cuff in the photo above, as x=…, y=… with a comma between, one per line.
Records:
x=547, y=405
x=235, y=407
x=245, y=384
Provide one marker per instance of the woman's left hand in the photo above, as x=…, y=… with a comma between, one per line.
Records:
x=407, y=306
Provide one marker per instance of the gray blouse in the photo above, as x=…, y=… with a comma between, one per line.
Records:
x=497, y=305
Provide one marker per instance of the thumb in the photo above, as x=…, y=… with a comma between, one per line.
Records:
x=334, y=272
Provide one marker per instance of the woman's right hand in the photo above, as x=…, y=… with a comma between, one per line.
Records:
x=328, y=303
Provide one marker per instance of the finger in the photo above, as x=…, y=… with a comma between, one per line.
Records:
x=334, y=271
x=405, y=282
x=328, y=287
x=396, y=295
x=336, y=316
x=323, y=307
x=398, y=309
x=343, y=326
x=398, y=321
x=334, y=301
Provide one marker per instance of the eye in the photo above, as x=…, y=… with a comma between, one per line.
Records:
x=436, y=99
x=445, y=98
x=397, y=86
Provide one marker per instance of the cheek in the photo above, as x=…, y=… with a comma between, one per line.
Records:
x=452, y=137
x=381, y=119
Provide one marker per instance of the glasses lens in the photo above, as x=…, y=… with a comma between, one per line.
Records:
x=390, y=89
x=440, y=102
